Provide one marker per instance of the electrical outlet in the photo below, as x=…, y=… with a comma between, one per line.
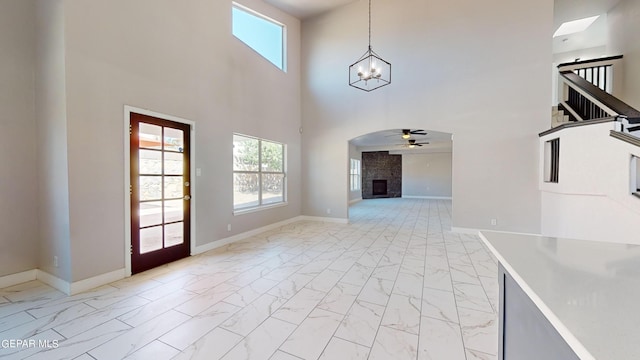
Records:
x=55, y=261
x=228, y=227
x=494, y=222
x=328, y=211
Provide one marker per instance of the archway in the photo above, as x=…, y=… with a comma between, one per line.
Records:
x=407, y=163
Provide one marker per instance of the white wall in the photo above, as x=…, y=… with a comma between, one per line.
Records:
x=592, y=199
x=178, y=59
x=457, y=68
x=53, y=184
x=624, y=25
x=426, y=175
x=18, y=172
x=354, y=153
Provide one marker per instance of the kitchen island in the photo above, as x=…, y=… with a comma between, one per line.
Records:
x=566, y=299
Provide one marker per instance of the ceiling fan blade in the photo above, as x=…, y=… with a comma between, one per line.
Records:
x=419, y=132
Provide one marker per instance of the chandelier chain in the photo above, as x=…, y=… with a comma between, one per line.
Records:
x=369, y=24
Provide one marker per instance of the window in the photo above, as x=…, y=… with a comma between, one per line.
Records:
x=258, y=172
x=354, y=174
x=260, y=33
x=635, y=175
x=551, y=160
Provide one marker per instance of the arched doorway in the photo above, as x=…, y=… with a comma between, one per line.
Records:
x=407, y=163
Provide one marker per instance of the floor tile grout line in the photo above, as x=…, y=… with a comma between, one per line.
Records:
x=401, y=226
x=478, y=276
x=455, y=299
x=355, y=300
x=387, y=303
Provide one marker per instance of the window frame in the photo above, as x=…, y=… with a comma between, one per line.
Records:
x=283, y=27
x=552, y=161
x=259, y=172
x=634, y=172
x=355, y=175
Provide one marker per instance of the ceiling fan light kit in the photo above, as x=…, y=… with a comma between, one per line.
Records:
x=370, y=71
x=413, y=143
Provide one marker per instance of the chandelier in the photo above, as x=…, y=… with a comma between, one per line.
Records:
x=370, y=71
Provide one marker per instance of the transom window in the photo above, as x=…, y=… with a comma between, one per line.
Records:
x=354, y=175
x=262, y=34
x=259, y=177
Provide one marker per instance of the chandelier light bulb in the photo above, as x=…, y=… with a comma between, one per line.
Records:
x=406, y=136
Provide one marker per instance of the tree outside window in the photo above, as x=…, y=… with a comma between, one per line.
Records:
x=258, y=172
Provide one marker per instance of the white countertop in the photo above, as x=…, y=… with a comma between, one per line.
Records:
x=589, y=290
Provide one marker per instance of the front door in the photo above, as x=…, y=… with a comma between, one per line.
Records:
x=160, y=191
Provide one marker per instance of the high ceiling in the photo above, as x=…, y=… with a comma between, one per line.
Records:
x=303, y=9
x=564, y=10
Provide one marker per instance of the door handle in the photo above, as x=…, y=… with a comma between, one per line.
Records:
x=187, y=197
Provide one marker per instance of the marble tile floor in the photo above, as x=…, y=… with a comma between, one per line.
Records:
x=395, y=283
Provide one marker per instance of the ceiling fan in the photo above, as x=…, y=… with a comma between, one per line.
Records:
x=411, y=143
x=406, y=133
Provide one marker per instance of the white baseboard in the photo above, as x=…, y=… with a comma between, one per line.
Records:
x=351, y=202
x=231, y=239
x=17, y=278
x=324, y=219
x=426, y=197
x=471, y=231
x=79, y=286
x=96, y=281
x=54, y=281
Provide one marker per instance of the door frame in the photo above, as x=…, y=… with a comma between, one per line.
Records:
x=127, y=179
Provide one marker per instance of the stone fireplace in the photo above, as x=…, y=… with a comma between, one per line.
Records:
x=381, y=175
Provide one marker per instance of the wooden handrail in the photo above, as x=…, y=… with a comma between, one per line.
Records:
x=601, y=96
x=591, y=61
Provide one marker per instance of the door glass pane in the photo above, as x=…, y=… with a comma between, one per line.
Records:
x=150, y=239
x=150, y=187
x=150, y=213
x=173, y=187
x=150, y=162
x=272, y=156
x=173, y=234
x=173, y=163
x=173, y=210
x=245, y=190
x=173, y=140
x=272, y=188
x=245, y=153
x=150, y=136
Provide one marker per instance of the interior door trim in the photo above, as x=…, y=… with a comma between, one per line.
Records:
x=127, y=179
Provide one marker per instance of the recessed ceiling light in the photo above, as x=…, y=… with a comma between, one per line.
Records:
x=575, y=26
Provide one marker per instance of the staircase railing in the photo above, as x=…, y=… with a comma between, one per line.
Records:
x=584, y=93
x=600, y=72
